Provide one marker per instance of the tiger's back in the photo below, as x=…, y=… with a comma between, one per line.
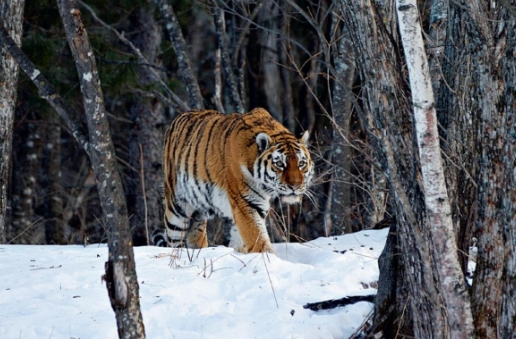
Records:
x=230, y=166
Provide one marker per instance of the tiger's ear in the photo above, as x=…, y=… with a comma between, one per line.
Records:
x=263, y=141
x=304, y=138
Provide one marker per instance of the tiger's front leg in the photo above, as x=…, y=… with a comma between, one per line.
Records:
x=252, y=229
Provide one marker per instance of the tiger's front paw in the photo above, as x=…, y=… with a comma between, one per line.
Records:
x=262, y=247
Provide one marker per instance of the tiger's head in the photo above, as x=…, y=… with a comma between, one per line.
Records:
x=283, y=167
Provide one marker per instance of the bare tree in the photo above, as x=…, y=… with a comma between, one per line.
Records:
x=11, y=15
x=120, y=274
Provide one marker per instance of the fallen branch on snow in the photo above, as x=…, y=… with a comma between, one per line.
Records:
x=334, y=303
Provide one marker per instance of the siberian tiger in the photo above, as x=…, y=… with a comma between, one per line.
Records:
x=230, y=166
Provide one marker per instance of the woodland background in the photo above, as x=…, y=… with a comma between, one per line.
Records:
x=335, y=68
x=277, y=60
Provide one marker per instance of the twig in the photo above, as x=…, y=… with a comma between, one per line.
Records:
x=25, y=230
x=270, y=281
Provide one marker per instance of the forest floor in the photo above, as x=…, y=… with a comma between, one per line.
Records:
x=57, y=292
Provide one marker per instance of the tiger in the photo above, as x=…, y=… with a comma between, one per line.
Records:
x=229, y=166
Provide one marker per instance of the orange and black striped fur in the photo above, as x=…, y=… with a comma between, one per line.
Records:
x=230, y=166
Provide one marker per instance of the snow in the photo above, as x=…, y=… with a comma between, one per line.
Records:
x=56, y=291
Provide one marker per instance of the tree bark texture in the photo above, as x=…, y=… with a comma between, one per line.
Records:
x=388, y=121
x=11, y=15
x=341, y=147
x=488, y=33
x=452, y=282
x=120, y=274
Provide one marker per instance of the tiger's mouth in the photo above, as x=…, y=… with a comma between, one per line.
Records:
x=291, y=199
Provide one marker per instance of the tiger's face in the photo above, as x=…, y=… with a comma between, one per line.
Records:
x=284, y=168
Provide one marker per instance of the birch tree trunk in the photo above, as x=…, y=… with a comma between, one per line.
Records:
x=120, y=274
x=444, y=249
x=11, y=15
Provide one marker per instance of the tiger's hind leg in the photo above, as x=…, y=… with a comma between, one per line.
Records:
x=177, y=224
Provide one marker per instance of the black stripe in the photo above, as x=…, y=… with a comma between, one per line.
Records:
x=200, y=133
x=191, y=139
x=210, y=132
x=259, y=169
x=178, y=210
x=254, y=191
x=175, y=227
x=255, y=207
x=224, y=138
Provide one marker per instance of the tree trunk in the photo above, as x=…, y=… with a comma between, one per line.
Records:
x=489, y=32
x=120, y=274
x=11, y=15
x=226, y=61
x=148, y=117
x=25, y=227
x=452, y=282
x=341, y=147
x=53, y=199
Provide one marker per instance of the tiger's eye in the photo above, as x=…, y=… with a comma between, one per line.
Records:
x=278, y=163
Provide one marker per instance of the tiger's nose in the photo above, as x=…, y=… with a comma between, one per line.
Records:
x=294, y=187
x=296, y=183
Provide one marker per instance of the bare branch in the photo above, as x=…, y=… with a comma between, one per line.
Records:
x=178, y=41
x=220, y=25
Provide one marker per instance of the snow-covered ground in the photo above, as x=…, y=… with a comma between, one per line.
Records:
x=57, y=292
